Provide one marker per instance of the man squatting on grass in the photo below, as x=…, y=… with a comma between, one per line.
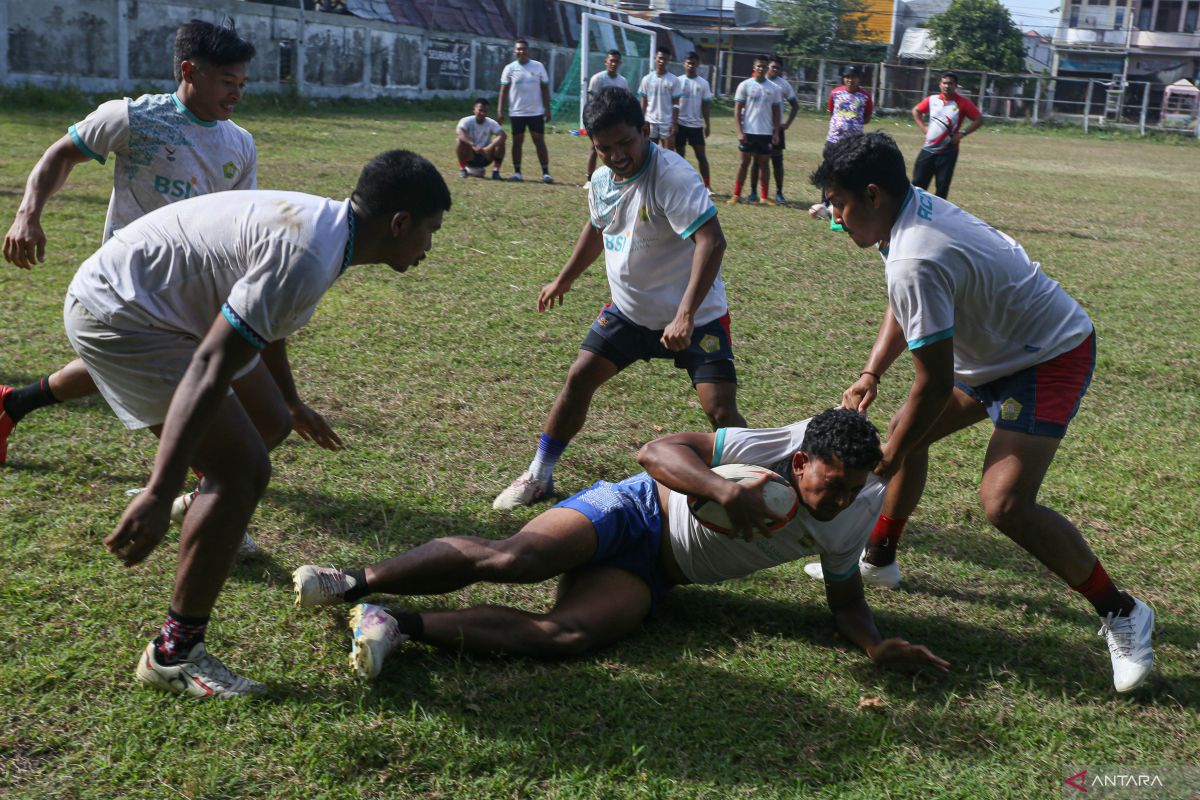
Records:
x=479, y=141
x=620, y=547
x=652, y=218
x=991, y=336
x=168, y=147
x=169, y=313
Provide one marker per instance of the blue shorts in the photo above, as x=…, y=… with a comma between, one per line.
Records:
x=1040, y=400
x=708, y=359
x=628, y=522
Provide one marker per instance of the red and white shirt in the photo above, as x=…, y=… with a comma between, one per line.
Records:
x=946, y=116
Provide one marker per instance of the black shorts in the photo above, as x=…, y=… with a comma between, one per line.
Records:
x=779, y=147
x=691, y=136
x=757, y=143
x=535, y=124
x=478, y=160
x=708, y=359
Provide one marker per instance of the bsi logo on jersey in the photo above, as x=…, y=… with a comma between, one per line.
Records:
x=175, y=188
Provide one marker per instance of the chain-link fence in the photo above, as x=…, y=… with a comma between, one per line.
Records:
x=896, y=88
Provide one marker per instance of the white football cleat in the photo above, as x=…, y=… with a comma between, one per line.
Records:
x=1129, y=645
x=818, y=211
x=199, y=675
x=524, y=491
x=880, y=577
x=320, y=586
x=375, y=634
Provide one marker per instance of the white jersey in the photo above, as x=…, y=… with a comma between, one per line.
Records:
x=602, y=80
x=786, y=90
x=693, y=94
x=524, y=82
x=661, y=92
x=952, y=275
x=164, y=153
x=480, y=133
x=262, y=259
x=758, y=99
x=708, y=557
x=647, y=222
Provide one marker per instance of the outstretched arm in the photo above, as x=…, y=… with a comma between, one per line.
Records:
x=25, y=243
x=889, y=344
x=855, y=621
x=587, y=249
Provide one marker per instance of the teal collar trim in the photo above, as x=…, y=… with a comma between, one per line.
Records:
x=348, y=254
x=187, y=112
x=649, y=155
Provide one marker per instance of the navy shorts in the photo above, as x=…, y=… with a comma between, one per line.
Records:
x=708, y=359
x=690, y=136
x=478, y=160
x=628, y=521
x=534, y=124
x=757, y=143
x=1040, y=400
x=779, y=148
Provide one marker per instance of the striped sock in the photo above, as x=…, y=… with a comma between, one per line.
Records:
x=548, y=452
x=179, y=634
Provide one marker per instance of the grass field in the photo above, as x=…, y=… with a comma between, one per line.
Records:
x=439, y=380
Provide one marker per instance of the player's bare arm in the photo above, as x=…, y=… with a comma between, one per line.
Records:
x=25, y=243
x=587, y=249
x=681, y=463
x=706, y=265
x=975, y=125
x=306, y=421
x=931, y=390
x=500, y=103
x=795, y=108
x=546, y=100
x=738, y=110
x=889, y=344
x=194, y=405
x=776, y=116
x=854, y=620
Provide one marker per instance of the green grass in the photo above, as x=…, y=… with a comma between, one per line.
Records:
x=439, y=380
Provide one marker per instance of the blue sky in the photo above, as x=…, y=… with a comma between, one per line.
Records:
x=1034, y=13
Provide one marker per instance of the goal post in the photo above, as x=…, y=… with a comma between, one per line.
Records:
x=598, y=35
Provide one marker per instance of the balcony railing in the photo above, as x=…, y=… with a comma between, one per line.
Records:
x=1064, y=35
x=1164, y=39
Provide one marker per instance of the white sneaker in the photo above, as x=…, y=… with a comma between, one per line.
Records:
x=587, y=184
x=1129, y=646
x=321, y=586
x=515, y=177
x=880, y=577
x=818, y=211
x=199, y=675
x=375, y=635
x=181, y=504
x=524, y=491
x=546, y=178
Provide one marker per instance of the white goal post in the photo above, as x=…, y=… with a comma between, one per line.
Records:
x=605, y=26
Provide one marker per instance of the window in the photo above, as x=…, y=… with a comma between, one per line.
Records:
x=287, y=49
x=1189, y=18
x=1169, y=13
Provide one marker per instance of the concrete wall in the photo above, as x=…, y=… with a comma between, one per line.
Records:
x=117, y=45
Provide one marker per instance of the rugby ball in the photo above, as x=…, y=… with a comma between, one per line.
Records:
x=779, y=495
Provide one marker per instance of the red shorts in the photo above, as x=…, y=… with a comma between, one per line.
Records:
x=1042, y=399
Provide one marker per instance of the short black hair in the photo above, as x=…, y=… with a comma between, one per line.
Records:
x=693, y=55
x=843, y=433
x=662, y=48
x=614, y=52
x=520, y=41
x=400, y=180
x=481, y=101
x=763, y=58
x=610, y=107
x=949, y=74
x=774, y=59
x=217, y=45
x=862, y=159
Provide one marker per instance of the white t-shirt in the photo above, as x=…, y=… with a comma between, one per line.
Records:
x=708, y=557
x=786, y=92
x=524, y=82
x=601, y=81
x=480, y=133
x=693, y=94
x=950, y=274
x=661, y=92
x=647, y=222
x=758, y=99
x=164, y=153
x=263, y=259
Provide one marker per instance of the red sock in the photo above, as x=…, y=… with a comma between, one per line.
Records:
x=462, y=165
x=881, y=546
x=707, y=183
x=737, y=189
x=1103, y=594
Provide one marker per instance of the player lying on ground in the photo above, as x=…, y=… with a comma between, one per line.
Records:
x=618, y=548
x=991, y=336
x=168, y=315
x=651, y=217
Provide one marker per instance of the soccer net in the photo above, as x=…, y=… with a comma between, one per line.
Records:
x=597, y=36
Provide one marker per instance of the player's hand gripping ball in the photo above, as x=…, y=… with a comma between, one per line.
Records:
x=778, y=495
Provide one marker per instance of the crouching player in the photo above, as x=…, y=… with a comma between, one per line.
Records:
x=170, y=313
x=619, y=548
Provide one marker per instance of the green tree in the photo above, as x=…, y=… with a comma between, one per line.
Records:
x=817, y=27
x=978, y=34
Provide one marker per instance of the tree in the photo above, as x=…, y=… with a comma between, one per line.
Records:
x=978, y=35
x=817, y=27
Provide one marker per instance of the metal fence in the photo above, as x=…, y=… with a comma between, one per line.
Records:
x=896, y=88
